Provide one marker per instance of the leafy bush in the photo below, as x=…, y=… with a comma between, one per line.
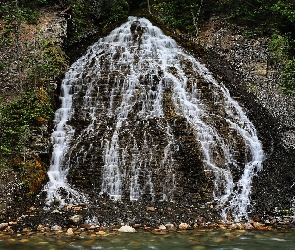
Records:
x=31, y=109
x=53, y=59
x=32, y=172
x=48, y=62
x=87, y=15
x=269, y=15
x=180, y=14
x=275, y=18
x=288, y=77
x=279, y=46
x=12, y=11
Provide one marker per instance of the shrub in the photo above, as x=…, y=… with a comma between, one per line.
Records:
x=288, y=76
x=279, y=47
x=18, y=117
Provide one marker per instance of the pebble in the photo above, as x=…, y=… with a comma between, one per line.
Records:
x=23, y=240
x=26, y=230
x=170, y=226
x=76, y=219
x=100, y=233
x=70, y=231
x=183, y=226
x=3, y=226
x=55, y=228
x=126, y=229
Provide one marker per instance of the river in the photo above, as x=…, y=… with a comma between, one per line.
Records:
x=194, y=239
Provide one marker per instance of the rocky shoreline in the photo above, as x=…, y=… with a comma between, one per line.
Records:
x=75, y=225
x=108, y=216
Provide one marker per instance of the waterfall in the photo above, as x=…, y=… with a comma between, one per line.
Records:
x=132, y=106
x=60, y=138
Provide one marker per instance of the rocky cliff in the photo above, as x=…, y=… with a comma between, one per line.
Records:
x=240, y=62
x=24, y=63
x=244, y=64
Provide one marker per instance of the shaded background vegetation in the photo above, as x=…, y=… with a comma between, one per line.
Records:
x=33, y=104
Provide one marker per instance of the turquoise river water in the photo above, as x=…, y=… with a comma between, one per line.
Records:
x=195, y=240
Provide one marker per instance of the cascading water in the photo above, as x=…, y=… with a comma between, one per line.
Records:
x=57, y=188
x=139, y=115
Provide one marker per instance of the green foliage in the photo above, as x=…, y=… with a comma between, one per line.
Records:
x=18, y=117
x=2, y=65
x=275, y=18
x=279, y=46
x=285, y=9
x=178, y=14
x=118, y=8
x=53, y=58
x=86, y=13
x=13, y=13
x=288, y=76
x=264, y=15
x=80, y=22
x=49, y=63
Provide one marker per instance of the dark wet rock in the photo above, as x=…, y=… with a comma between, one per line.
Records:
x=3, y=226
x=56, y=228
x=248, y=226
x=256, y=218
x=86, y=225
x=76, y=219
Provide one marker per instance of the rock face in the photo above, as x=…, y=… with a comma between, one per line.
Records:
x=243, y=63
x=143, y=121
x=17, y=65
x=52, y=27
x=240, y=63
x=16, y=56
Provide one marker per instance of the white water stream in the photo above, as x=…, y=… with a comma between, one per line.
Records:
x=140, y=64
